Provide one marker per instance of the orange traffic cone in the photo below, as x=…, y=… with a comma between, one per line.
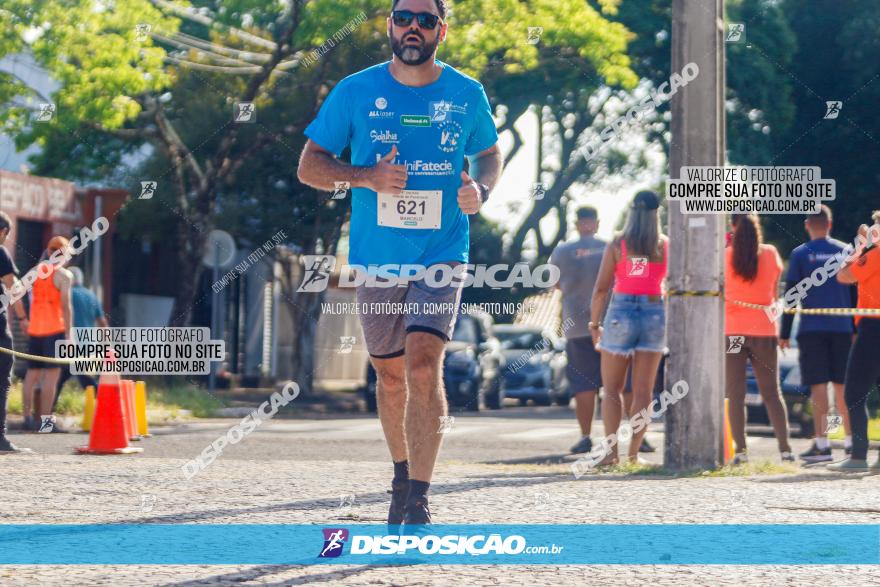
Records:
x=89, y=409
x=728, y=434
x=109, y=430
x=128, y=385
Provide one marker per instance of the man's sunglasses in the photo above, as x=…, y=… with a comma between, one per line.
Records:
x=427, y=20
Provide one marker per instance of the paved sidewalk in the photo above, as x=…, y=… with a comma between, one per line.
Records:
x=51, y=488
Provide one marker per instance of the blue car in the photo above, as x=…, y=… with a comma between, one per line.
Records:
x=535, y=365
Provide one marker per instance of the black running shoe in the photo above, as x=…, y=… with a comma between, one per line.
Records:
x=646, y=446
x=816, y=454
x=583, y=445
x=417, y=512
x=7, y=447
x=398, y=493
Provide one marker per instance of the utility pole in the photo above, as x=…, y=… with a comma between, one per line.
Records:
x=695, y=323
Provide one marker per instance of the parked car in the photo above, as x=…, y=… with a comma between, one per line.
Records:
x=535, y=364
x=796, y=396
x=472, y=367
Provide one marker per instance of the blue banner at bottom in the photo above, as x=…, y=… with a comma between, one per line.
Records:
x=355, y=544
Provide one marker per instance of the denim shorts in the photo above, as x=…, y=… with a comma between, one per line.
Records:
x=633, y=323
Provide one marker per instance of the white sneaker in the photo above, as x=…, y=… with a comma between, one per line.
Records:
x=740, y=458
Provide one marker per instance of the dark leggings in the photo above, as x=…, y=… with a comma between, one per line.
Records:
x=862, y=370
x=6, y=362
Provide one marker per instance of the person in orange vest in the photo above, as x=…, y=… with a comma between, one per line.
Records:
x=8, y=272
x=50, y=321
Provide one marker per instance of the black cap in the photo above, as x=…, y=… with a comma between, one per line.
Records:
x=587, y=212
x=646, y=200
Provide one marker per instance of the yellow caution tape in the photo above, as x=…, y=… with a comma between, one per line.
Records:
x=815, y=311
x=693, y=293
x=29, y=357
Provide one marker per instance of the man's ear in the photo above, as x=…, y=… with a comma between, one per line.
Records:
x=443, y=32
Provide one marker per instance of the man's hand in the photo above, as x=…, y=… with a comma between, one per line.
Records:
x=386, y=177
x=469, y=199
x=784, y=343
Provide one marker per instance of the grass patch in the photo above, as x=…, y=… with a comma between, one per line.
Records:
x=176, y=397
x=753, y=468
x=873, y=431
x=170, y=398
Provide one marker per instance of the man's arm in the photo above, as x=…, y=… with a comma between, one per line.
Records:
x=792, y=278
x=9, y=280
x=486, y=167
x=63, y=280
x=320, y=169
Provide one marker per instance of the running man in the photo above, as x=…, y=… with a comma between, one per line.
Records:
x=410, y=123
x=578, y=263
x=8, y=273
x=51, y=319
x=824, y=341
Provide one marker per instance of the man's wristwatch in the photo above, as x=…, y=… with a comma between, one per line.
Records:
x=484, y=192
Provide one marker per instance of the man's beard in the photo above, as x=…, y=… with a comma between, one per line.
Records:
x=413, y=54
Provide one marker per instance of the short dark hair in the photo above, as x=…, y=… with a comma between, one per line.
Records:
x=822, y=217
x=441, y=7
x=5, y=221
x=587, y=212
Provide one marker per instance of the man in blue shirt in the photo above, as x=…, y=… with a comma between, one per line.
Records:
x=410, y=123
x=87, y=313
x=823, y=341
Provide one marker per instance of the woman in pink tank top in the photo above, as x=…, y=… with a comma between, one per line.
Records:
x=634, y=329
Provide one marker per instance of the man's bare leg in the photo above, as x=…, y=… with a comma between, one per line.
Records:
x=48, y=382
x=427, y=402
x=425, y=407
x=28, y=388
x=819, y=394
x=391, y=402
x=840, y=405
x=584, y=408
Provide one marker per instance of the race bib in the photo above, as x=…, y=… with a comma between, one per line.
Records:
x=410, y=209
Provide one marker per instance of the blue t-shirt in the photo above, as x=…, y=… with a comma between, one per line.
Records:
x=86, y=307
x=832, y=294
x=434, y=127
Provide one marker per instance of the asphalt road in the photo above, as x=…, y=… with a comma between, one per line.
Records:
x=513, y=435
